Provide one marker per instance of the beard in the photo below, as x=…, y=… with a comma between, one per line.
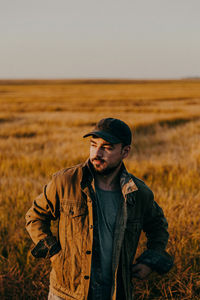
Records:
x=106, y=170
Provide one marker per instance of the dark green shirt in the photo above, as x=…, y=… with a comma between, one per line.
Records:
x=107, y=207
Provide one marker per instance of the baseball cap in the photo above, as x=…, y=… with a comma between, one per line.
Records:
x=112, y=130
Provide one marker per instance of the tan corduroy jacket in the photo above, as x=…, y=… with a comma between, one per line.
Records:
x=68, y=197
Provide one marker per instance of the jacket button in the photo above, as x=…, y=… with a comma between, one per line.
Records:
x=88, y=252
x=71, y=212
x=91, y=226
x=86, y=277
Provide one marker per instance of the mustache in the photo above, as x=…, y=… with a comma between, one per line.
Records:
x=98, y=158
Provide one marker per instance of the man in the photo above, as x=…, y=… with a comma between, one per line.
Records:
x=101, y=210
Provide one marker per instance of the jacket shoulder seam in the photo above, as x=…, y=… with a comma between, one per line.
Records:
x=141, y=184
x=65, y=170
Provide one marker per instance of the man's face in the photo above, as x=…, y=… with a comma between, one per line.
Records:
x=106, y=157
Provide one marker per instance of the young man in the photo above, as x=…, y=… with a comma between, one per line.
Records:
x=101, y=210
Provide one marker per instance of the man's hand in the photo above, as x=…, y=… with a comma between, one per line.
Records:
x=52, y=258
x=140, y=271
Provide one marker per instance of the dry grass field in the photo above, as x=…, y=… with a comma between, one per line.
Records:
x=41, y=129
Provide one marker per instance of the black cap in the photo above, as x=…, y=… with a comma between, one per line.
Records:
x=113, y=131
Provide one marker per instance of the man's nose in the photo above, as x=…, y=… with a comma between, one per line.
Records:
x=99, y=152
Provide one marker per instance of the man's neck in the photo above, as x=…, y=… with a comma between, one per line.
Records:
x=109, y=182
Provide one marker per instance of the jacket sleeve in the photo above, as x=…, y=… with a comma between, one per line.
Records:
x=155, y=226
x=38, y=221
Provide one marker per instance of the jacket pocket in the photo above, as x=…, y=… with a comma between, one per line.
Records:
x=75, y=216
x=133, y=226
x=132, y=233
x=72, y=209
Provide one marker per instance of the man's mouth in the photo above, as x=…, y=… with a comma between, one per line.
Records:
x=98, y=161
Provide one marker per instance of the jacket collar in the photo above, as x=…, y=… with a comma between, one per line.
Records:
x=126, y=181
x=87, y=175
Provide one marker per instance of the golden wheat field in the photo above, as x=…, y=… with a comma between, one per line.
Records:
x=41, y=129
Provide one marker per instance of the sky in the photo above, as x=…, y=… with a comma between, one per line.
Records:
x=128, y=39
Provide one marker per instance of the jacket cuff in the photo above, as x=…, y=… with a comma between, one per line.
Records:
x=46, y=247
x=160, y=262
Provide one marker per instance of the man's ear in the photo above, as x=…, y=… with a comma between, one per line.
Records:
x=125, y=151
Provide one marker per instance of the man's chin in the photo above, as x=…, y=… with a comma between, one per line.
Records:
x=98, y=169
x=104, y=171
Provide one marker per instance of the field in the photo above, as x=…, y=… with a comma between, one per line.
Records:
x=41, y=129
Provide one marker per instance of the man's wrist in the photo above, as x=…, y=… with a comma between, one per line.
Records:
x=140, y=271
x=46, y=247
x=52, y=258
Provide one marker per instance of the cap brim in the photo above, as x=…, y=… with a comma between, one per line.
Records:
x=104, y=135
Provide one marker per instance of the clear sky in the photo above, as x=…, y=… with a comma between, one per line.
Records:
x=99, y=39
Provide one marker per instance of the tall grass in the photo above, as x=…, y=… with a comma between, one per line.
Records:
x=41, y=129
